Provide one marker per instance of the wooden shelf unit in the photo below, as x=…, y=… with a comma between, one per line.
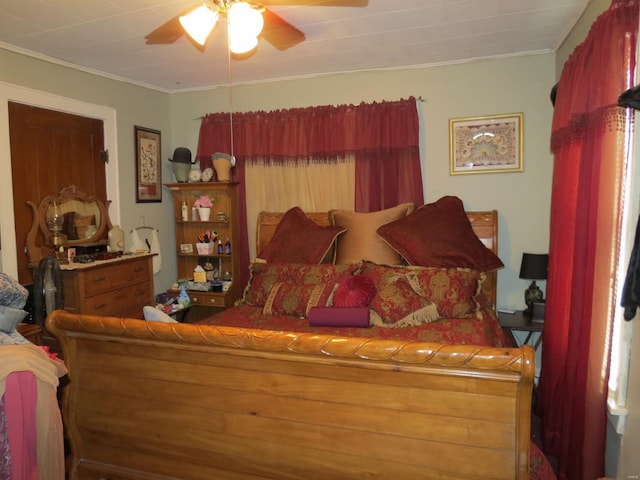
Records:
x=226, y=201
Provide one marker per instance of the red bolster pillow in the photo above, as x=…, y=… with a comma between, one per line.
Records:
x=338, y=317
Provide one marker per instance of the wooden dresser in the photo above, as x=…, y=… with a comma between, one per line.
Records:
x=117, y=288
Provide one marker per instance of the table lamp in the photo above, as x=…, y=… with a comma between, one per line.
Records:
x=533, y=267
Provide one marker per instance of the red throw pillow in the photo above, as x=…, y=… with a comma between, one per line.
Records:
x=354, y=291
x=339, y=317
x=453, y=290
x=296, y=299
x=298, y=239
x=396, y=303
x=439, y=235
x=263, y=276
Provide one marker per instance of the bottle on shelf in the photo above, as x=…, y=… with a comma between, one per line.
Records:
x=227, y=247
x=220, y=249
x=185, y=211
x=183, y=296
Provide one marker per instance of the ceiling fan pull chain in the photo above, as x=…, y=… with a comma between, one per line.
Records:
x=230, y=95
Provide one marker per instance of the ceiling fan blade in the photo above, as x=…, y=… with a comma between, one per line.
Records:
x=171, y=31
x=166, y=33
x=318, y=3
x=280, y=33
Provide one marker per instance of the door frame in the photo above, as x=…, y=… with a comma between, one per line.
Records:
x=36, y=98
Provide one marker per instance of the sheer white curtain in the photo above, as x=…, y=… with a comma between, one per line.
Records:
x=314, y=187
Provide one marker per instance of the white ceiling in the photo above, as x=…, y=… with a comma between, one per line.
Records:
x=107, y=37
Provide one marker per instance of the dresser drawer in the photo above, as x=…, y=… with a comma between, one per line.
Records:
x=116, y=302
x=110, y=277
x=209, y=299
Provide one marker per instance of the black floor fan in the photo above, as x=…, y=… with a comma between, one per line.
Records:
x=48, y=294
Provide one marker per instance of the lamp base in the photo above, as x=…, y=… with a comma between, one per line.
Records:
x=532, y=294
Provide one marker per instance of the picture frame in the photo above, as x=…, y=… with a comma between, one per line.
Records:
x=186, y=248
x=488, y=144
x=148, y=164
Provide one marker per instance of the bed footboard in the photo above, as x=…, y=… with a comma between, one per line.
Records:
x=149, y=400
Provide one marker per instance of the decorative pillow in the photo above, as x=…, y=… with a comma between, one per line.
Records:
x=152, y=314
x=439, y=235
x=297, y=299
x=452, y=289
x=12, y=293
x=360, y=241
x=339, y=317
x=396, y=304
x=354, y=291
x=298, y=239
x=13, y=338
x=263, y=276
x=82, y=224
x=10, y=318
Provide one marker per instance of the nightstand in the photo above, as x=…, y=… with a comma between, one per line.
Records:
x=33, y=333
x=519, y=321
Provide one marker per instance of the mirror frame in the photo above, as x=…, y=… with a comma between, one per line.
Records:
x=39, y=231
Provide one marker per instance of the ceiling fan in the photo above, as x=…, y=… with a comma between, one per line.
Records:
x=199, y=21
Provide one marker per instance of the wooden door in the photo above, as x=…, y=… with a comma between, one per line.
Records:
x=49, y=151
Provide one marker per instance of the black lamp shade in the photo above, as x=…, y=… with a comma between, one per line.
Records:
x=534, y=266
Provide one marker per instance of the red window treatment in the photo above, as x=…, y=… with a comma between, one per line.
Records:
x=588, y=141
x=384, y=137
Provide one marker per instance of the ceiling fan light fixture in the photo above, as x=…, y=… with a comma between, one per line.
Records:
x=199, y=23
x=240, y=44
x=243, y=17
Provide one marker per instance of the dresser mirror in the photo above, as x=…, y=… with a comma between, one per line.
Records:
x=70, y=218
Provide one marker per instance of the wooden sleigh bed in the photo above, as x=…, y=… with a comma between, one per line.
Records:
x=153, y=400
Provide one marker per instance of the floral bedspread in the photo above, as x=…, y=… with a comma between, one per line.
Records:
x=479, y=328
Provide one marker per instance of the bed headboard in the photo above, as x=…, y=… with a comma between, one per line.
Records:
x=485, y=226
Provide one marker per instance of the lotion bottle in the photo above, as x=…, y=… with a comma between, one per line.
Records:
x=185, y=212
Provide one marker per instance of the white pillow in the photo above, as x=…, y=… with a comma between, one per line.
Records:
x=155, y=315
x=10, y=318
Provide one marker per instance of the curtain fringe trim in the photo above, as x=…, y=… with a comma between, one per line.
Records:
x=608, y=118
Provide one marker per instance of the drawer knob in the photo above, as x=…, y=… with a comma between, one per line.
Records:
x=101, y=306
x=138, y=269
x=99, y=279
x=212, y=301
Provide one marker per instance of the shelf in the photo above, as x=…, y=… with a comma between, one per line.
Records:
x=198, y=222
x=187, y=231
x=197, y=255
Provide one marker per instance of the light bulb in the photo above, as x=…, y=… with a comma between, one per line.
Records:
x=242, y=43
x=244, y=16
x=199, y=23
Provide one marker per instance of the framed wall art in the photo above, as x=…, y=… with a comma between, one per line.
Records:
x=491, y=144
x=148, y=165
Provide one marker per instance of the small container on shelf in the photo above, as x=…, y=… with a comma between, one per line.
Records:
x=216, y=285
x=205, y=248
